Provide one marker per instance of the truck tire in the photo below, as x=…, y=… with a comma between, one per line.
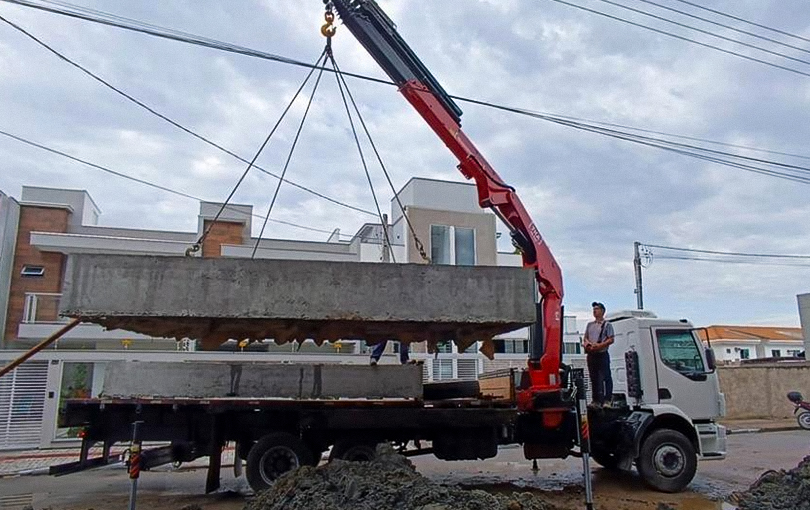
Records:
x=354, y=450
x=667, y=461
x=608, y=461
x=272, y=456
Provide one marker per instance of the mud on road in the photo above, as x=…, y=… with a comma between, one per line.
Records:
x=509, y=476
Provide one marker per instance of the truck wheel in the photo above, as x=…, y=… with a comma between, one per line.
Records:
x=608, y=461
x=354, y=450
x=804, y=420
x=668, y=461
x=272, y=456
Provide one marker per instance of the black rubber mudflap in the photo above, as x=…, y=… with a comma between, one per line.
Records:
x=441, y=390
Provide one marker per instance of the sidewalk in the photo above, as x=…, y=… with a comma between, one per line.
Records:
x=761, y=425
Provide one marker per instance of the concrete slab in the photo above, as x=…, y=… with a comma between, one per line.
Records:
x=261, y=380
x=219, y=299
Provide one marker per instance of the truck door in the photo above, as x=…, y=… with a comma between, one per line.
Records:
x=683, y=377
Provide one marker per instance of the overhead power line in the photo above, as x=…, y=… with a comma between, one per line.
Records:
x=174, y=123
x=139, y=180
x=737, y=18
x=700, y=30
x=754, y=262
x=676, y=36
x=718, y=157
x=731, y=253
x=723, y=25
x=187, y=38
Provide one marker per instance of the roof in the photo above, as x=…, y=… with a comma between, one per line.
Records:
x=753, y=333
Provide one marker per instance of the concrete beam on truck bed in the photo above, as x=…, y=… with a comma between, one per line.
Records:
x=134, y=379
x=216, y=299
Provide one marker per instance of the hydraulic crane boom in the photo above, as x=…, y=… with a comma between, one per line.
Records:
x=377, y=33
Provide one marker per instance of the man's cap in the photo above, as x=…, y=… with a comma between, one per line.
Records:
x=600, y=305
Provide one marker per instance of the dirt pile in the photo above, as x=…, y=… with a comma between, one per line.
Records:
x=389, y=482
x=778, y=490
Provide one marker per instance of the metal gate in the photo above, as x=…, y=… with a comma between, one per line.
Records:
x=22, y=403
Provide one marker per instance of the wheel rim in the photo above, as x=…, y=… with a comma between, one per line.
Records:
x=804, y=419
x=669, y=460
x=276, y=461
x=358, y=454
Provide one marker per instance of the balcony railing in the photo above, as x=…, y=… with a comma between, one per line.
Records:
x=42, y=308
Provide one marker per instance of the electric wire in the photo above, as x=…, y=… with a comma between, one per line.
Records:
x=199, y=242
x=731, y=261
x=178, y=36
x=702, y=31
x=670, y=34
x=383, y=223
x=721, y=13
x=557, y=119
x=174, y=123
x=145, y=182
x=289, y=154
x=420, y=247
x=729, y=27
x=731, y=253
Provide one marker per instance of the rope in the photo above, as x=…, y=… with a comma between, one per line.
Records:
x=197, y=245
x=331, y=57
x=339, y=75
x=289, y=156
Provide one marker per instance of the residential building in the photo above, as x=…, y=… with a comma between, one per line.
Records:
x=738, y=343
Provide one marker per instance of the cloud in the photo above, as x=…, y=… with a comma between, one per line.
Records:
x=591, y=196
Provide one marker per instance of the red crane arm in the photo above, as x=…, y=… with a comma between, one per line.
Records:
x=378, y=34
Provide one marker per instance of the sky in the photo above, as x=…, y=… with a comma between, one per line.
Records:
x=590, y=196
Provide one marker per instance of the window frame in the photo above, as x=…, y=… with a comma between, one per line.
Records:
x=452, y=238
x=32, y=271
x=695, y=375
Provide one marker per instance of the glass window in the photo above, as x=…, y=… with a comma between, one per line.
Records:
x=679, y=351
x=465, y=246
x=571, y=348
x=776, y=353
x=745, y=354
x=440, y=244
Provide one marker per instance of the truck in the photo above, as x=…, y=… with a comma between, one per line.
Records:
x=662, y=420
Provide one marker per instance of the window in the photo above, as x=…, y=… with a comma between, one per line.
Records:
x=679, y=351
x=793, y=353
x=465, y=246
x=745, y=354
x=511, y=346
x=571, y=348
x=776, y=353
x=32, y=271
x=728, y=351
x=440, y=244
x=452, y=245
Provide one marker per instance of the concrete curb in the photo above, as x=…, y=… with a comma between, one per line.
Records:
x=756, y=430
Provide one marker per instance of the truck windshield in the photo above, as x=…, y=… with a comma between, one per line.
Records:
x=679, y=351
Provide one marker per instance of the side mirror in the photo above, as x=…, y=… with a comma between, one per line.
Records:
x=711, y=361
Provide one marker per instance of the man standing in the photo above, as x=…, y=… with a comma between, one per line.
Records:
x=597, y=340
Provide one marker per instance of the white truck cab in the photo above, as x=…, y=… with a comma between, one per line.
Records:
x=666, y=398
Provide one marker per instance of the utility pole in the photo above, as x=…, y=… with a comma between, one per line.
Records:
x=386, y=252
x=637, y=266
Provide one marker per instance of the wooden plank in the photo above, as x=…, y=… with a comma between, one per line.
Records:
x=498, y=385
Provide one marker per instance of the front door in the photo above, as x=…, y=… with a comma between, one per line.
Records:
x=683, y=378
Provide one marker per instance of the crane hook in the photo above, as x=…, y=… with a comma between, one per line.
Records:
x=328, y=29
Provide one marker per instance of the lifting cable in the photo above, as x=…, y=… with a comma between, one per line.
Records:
x=197, y=245
x=290, y=154
x=383, y=222
x=342, y=84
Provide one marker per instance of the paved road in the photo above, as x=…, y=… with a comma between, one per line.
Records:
x=750, y=454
